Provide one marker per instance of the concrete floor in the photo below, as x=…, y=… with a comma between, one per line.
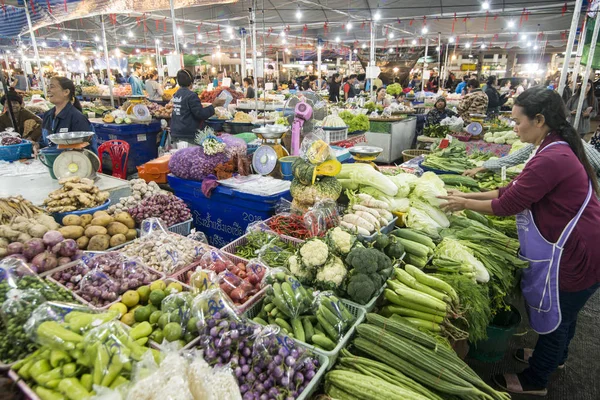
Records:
x=580, y=380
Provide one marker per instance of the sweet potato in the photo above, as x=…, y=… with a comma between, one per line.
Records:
x=72, y=232
x=72, y=220
x=94, y=230
x=115, y=228
x=99, y=243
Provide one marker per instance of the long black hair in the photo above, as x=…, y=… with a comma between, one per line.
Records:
x=542, y=101
x=67, y=84
x=589, y=96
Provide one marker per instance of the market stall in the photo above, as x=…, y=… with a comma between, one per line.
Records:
x=394, y=135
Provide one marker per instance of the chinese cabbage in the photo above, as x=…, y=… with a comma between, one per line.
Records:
x=454, y=250
x=435, y=213
x=419, y=220
x=429, y=187
x=365, y=174
x=402, y=185
x=396, y=204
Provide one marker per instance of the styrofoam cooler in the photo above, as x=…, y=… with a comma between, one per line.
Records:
x=224, y=216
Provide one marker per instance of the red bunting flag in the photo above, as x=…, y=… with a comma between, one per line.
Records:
x=156, y=23
x=495, y=17
x=47, y=4
x=287, y=28
x=424, y=20
x=137, y=21
x=465, y=19
x=33, y=7
x=505, y=45
x=564, y=9
x=453, y=22
x=496, y=36
x=325, y=27
x=521, y=19
x=402, y=42
x=399, y=21
x=362, y=26
x=411, y=22
x=165, y=24
x=487, y=13
x=144, y=19
x=66, y=8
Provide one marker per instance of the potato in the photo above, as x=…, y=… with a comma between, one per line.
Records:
x=114, y=228
x=38, y=230
x=99, y=243
x=94, y=230
x=72, y=232
x=117, y=240
x=125, y=219
x=100, y=213
x=131, y=234
x=72, y=220
x=102, y=220
x=82, y=242
x=86, y=219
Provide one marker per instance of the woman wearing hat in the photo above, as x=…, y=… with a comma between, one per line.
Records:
x=188, y=113
x=28, y=125
x=439, y=112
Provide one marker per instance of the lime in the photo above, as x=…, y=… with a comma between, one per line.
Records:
x=174, y=287
x=192, y=325
x=142, y=314
x=172, y=331
x=128, y=319
x=156, y=297
x=188, y=337
x=163, y=321
x=157, y=336
x=154, y=317
x=144, y=292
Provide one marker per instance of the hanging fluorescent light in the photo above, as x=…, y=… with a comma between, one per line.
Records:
x=390, y=50
x=284, y=41
x=349, y=25
x=96, y=38
x=391, y=35
x=194, y=52
x=337, y=39
x=129, y=34
x=199, y=36
x=117, y=52
x=364, y=46
x=355, y=51
x=100, y=47
x=437, y=48
x=451, y=40
x=485, y=5
x=64, y=37
x=78, y=49
x=123, y=42
x=483, y=45
x=528, y=44
x=467, y=45
x=179, y=32
x=232, y=36
x=523, y=37
x=44, y=44
x=535, y=47
x=414, y=41
x=185, y=45
x=234, y=55
x=138, y=51
x=470, y=55
x=424, y=30
x=511, y=23
x=229, y=29
x=377, y=16
x=298, y=14
x=157, y=41
x=259, y=53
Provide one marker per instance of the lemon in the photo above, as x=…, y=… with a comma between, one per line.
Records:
x=144, y=292
x=130, y=298
x=128, y=319
x=120, y=308
x=158, y=285
x=176, y=286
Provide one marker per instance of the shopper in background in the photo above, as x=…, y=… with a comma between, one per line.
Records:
x=349, y=87
x=188, y=113
x=439, y=112
x=461, y=87
x=119, y=78
x=521, y=87
x=588, y=111
x=475, y=102
x=29, y=125
x=558, y=217
x=19, y=81
x=135, y=80
x=66, y=115
x=249, y=88
x=495, y=99
x=334, y=88
x=154, y=90
x=377, y=83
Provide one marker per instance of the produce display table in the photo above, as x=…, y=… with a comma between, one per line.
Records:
x=36, y=187
x=499, y=150
x=394, y=137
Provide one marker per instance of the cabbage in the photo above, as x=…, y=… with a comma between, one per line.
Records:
x=402, y=185
x=429, y=187
x=419, y=220
x=434, y=213
x=454, y=250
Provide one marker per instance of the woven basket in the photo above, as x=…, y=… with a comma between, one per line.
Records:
x=410, y=154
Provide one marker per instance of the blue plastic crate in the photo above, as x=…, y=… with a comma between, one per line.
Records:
x=225, y=215
x=16, y=151
x=142, y=138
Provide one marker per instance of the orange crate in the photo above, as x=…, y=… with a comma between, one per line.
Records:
x=155, y=170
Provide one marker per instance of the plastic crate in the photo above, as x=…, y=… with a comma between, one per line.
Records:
x=357, y=311
x=231, y=247
x=335, y=134
x=155, y=170
x=180, y=277
x=225, y=215
x=16, y=151
x=183, y=228
x=142, y=139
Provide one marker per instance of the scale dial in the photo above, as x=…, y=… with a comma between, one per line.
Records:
x=264, y=160
x=73, y=163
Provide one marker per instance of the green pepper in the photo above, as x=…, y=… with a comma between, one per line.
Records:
x=144, y=329
x=142, y=341
x=19, y=364
x=53, y=384
x=81, y=321
x=47, y=394
x=115, y=367
x=53, y=332
x=100, y=364
x=38, y=368
x=71, y=388
x=118, y=382
x=86, y=382
x=24, y=371
x=58, y=358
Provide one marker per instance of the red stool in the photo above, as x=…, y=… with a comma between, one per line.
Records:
x=117, y=150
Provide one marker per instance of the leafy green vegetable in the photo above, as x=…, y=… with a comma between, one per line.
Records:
x=394, y=89
x=359, y=123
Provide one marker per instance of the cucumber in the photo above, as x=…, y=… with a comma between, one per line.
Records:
x=289, y=295
x=298, y=329
x=323, y=342
x=413, y=236
x=283, y=324
x=308, y=329
x=260, y=321
x=334, y=319
x=331, y=331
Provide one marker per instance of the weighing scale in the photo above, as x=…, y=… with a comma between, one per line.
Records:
x=474, y=129
x=137, y=110
x=365, y=154
x=264, y=160
x=76, y=160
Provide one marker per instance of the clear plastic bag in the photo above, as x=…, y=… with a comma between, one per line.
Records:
x=314, y=149
x=215, y=260
x=276, y=253
x=201, y=280
x=152, y=225
x=212, y=307
x=99, y=289
x=321, y=217
x=198, y=236
x=177, y=320
x=332, y=315
x=287, y=293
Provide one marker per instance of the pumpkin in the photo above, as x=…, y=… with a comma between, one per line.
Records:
x=325, y=188
x=108, y=118
x=307, y=173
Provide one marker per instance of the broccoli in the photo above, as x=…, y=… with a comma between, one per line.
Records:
x=363, y=260
x=360, y=288
x=383, y=261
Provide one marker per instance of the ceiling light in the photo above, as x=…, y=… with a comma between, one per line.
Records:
x=78, y=49
x=467, y=45
x=523, y=37
x=44, y=44
x=377, y=16
x=129, y=34
x=100, y=47
x=218, y=54
x=391, y=35
x=349, y=25
x=235, y=55
x=424, y=30
x=194, y=52
x=156, y=41
x=123, y=41
x=288, y=51
x=451, y=40
x=470, y=55
x=179, y=32
x=355, y=51
x=96, y=38
x=485, y=5
x=535, y=47
x=483, y=45
x=511, y=23
x=390, y=50
x=232, y=36
x=64, y=37
x=299, y=14
x=229, y=29
x=437, y=48
x=185, y=45
x=284, y=41
x=453, y=57
x=528, y=44
x=337, y=39
x=199, y=36
x=414, y=41
x=364, y=46
x=138, y=51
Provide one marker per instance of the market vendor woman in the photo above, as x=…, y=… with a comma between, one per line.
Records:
x=29, y=125
x=558, y=217
x=188, y=113
x=66, y=115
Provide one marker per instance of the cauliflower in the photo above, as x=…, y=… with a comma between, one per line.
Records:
x=341, y=241
x=297, y=269
x=332, y=274
x=314, y=253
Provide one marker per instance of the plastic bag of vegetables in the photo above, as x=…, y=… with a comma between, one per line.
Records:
x=191, y=163
x=286, y=292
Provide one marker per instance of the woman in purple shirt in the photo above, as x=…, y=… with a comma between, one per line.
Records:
x=558, y=215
